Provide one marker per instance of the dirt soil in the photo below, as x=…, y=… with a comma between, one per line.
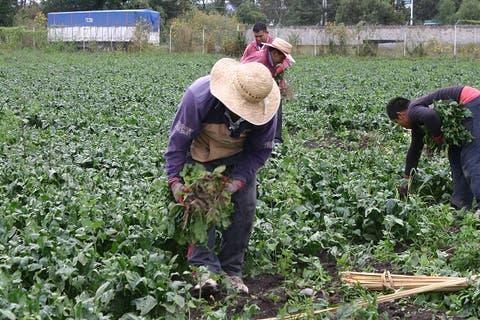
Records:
x=268, y=293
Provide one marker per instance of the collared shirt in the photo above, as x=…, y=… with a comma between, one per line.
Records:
x=251, y=54
x=264, y=57
x=202, y=129
x=253, y=47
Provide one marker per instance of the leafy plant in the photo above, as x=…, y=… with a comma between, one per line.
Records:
x=451, y=116
x=206, y=204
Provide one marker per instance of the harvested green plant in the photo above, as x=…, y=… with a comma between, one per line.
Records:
x=451, y=116
x=206, y=204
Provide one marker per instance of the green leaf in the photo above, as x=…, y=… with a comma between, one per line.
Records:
x=8, y=314
x=145, y=304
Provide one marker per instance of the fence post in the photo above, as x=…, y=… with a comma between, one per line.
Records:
x=315, y=45
x=455, y=40
x=203, y=40
x=405, y=41
x=170, y=41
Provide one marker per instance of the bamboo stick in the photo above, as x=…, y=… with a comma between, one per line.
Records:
x=386, y=280
x=388, y=297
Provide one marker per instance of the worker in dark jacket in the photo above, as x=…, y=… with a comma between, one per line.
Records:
x=226, y=118
x=464, y=160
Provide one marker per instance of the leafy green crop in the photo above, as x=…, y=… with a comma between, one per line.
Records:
x=206, y=205
x=451, y=116
x=85, y=225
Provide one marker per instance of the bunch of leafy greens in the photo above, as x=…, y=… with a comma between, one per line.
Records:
x=451, y=116
x=206, y=204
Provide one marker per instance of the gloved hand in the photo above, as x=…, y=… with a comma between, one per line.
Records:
x=402, y=187
x=178, y=188
x=234, y=185
x=440, y=139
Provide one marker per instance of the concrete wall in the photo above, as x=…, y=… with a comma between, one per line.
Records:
x=313, y=35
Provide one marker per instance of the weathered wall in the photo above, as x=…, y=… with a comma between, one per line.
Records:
x=313, y=35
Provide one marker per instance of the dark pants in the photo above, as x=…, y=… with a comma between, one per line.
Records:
x=234, y=239
x=465, y=163
x=278, y=131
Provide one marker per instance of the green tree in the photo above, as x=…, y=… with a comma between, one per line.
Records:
x=469, y=10
x=424, y=9
x=275, y=10
x=249, y=12
x=370, y=11
x=304, y=12
x=171, y=8
x=7, y=12
x=446, y=11
x=25, y=16
x=380, y=12
x=348, y=12
x=71, y=5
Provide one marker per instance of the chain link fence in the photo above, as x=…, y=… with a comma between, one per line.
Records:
x=230, y=38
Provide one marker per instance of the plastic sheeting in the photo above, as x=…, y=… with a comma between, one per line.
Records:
x=104, y=18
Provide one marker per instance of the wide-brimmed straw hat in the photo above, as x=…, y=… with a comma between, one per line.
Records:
x=248, y=89
x=283, y=46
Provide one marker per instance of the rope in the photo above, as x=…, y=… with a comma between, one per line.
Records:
x=387, y=280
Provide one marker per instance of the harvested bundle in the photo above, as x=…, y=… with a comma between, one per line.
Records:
x=386, y=280
x=206, y=204
x=451, y=116
x=451, y=282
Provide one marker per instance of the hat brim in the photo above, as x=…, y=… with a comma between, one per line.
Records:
x=287, y=55
x=223, y=88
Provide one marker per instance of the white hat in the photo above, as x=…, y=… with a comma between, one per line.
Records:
x=246, y=89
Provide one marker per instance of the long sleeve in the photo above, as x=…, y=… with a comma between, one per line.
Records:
x=249, y=50
x=257, y=149
x=424, y=116
x=260, y=57
x=187, y=124
x=415, y=150
x=449, y=93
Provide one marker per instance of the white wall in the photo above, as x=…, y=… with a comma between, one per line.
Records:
x=312, y=35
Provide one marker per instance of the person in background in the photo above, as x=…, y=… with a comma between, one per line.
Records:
x=225, y=118
x=464, y=160
x=261, y=36
x=276, y=56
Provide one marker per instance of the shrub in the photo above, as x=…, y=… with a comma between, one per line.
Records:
x=19, y=38
x=209, y=32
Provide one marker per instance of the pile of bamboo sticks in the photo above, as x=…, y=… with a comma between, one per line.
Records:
x=403, y=285
x=386, y=280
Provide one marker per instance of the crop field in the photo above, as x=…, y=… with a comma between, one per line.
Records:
x=84, y=199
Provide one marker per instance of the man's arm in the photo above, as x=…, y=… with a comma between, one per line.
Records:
x=257, y=149
x=282, y=67
x=414, y=151
x=450, y=93
x=186, y=126
x=249, y=50
x=422, y=115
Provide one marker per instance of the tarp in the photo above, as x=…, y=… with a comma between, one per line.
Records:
x=104, y=18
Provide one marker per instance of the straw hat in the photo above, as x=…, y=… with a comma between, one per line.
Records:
x=246, y=89
x=283, y=46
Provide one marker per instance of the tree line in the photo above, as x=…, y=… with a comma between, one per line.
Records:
x=276, y=12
